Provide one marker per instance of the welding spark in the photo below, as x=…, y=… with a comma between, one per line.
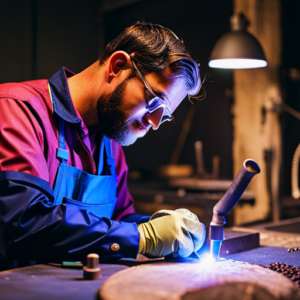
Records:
x=207, y=260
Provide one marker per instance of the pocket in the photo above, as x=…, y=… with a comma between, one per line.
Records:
x=100, y=210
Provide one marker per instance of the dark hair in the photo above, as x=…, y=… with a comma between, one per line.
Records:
x=155, y=48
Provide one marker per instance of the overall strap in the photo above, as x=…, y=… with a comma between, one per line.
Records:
x=61, y=152
x=110, y=158
x=101, y=160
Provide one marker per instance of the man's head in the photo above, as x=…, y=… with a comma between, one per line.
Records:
x=143, y=62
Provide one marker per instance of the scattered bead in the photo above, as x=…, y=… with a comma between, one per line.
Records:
x=293, y=249
x=285, y=273
x=295, y=278
x=287, y=270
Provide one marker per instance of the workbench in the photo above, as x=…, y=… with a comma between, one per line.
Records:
x=51, y=282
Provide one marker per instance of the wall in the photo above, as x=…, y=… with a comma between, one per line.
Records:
x=256, y=135
x=39, y=37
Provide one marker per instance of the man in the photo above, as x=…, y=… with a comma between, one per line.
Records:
x=63, y=191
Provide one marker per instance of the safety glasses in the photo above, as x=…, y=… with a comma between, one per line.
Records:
x=156, y=102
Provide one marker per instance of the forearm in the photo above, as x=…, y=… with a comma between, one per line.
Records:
x=33, y=229
x=136, y=218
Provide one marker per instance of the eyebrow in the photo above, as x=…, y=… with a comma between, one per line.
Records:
x=162, y=95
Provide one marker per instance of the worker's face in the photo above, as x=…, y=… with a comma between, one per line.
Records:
x=122, y=114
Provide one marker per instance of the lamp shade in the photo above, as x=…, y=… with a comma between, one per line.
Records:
x=237, y=49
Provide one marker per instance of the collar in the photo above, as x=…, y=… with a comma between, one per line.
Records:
x=62, y=102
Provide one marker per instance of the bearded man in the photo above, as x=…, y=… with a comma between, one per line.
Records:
x=63, y=190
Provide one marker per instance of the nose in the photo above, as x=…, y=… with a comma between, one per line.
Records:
x=154, y=118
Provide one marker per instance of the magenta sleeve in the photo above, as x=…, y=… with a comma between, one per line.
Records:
x=124, y=205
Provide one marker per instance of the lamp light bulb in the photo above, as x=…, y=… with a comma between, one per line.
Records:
x=237, y=63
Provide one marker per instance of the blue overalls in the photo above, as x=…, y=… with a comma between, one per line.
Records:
x=94, y=193
x=73, y=219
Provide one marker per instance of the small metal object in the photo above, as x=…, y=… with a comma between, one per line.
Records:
x=115, y=247
x=92, y=271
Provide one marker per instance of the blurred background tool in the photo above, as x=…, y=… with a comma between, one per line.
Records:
x=199, y=158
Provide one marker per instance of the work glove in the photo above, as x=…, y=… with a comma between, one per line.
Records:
x=173, y=233
x=167, y=212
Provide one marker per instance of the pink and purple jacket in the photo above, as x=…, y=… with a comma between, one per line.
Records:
x=30, y=228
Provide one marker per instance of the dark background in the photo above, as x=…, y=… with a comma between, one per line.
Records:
x=291, y=87
x=39, y=37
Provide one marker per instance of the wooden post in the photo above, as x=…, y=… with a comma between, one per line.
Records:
x=256, y=121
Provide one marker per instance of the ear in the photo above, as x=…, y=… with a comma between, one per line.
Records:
x=118, y=61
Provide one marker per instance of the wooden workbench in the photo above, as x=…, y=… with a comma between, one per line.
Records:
x=49, y=282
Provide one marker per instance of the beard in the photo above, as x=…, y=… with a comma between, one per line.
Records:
x=112, y=120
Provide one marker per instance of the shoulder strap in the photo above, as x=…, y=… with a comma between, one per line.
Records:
x=110, y=158
x=61, y=152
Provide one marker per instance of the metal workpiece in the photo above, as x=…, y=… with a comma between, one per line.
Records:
x=235, y=191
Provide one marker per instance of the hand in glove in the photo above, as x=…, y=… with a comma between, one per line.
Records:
x=176, y=232
x=166, y=212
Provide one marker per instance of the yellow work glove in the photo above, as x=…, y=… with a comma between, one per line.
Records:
x=166, y=212
x=178, y=233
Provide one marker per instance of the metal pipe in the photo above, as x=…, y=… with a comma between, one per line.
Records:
x=227, y=202
x=235, y=191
